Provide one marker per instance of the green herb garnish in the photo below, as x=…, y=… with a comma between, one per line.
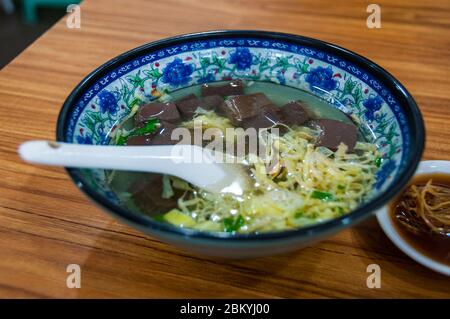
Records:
x=149, y=127
x=122, y=140
x=231, y=224
x=378, y=161
x=322, y=195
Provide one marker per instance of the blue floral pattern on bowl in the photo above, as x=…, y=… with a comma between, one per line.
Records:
x=107, y=102
x=372, y=105
x=321, y=79
x=241, y=58
x=177, y=73
x=344, y=85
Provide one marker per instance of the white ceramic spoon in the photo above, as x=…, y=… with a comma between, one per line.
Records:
x=194, y=164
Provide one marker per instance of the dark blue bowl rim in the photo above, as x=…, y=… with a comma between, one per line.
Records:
x=404, y=98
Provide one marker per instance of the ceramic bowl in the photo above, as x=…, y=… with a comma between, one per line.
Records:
x=385, y=221
x=387, y=114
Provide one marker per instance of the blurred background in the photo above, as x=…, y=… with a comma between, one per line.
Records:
x=23, y=21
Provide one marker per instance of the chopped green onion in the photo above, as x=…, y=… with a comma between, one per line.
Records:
x=230, y=224
x=149, y=127
x=122, y=140
x=378, y=161
x=322, y=195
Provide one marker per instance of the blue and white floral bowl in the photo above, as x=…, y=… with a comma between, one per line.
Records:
x=386, y=112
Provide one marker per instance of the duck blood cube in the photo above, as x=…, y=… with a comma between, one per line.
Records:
x=235, y=87
x=212, y=102
x=163, y=136
x=163, y=111
x=334, y=133
x=146, y=194
x=240, y=107
x=188, y=104
x=265, y=119
x=139, y=140
x=294, y=113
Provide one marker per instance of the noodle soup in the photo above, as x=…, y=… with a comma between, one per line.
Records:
x=320, y=166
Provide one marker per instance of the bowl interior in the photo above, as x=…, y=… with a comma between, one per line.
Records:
x=346, y=81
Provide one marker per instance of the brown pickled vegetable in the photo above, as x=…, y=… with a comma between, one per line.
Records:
x=425, y=208
x=421, y=215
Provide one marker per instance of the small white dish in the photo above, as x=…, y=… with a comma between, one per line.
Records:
x=389, y=229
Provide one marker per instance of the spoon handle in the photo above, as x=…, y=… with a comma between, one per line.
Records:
x=184, y=161
x=136, y=158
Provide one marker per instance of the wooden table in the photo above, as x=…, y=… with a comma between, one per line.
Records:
x=46, y=223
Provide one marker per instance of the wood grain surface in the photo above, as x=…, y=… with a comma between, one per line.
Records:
x=46, y=223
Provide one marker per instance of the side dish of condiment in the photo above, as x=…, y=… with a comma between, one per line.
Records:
x=418, y=220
